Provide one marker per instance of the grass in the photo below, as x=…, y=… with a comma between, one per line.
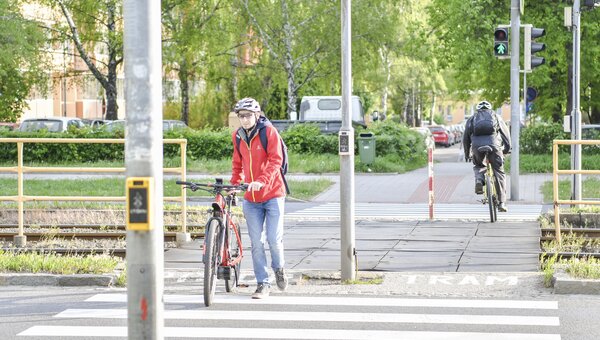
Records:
x=543, y=163
x=299, y=163
x=303, y=190
x=584, y=268
x=590, y=189
x=57, y=264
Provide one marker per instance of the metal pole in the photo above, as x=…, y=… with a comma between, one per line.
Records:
x=524, y=95
x=347, y=222
x=430, y=172
x=575, y=111
x=144, y=158
x=515, y=112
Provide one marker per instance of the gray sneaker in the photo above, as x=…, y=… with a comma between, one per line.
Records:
x=281, y=279
x=262, y=291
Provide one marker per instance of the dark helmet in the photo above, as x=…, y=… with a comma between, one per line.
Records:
x=484, y=105
x=249, y=104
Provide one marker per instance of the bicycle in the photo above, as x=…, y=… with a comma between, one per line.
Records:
x=222, y=249
x=490, y=189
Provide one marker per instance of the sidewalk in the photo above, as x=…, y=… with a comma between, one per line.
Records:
x=453, y=183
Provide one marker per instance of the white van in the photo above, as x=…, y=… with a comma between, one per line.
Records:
x=327, y=108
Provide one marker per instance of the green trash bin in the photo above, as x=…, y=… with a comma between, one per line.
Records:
x=366, y=147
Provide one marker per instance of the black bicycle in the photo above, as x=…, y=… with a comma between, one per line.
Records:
x=490, y=190
x=222, y=252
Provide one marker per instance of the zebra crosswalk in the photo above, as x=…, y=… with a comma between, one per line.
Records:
x=412, y=212
x=318, y=317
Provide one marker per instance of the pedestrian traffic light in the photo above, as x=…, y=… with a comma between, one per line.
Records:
x=501, y=42
x=530, y=47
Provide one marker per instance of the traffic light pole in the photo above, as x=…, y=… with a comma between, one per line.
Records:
x=515, y=112
x=575, y=111
x=143, y=168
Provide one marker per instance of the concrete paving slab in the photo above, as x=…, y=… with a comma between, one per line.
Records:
x=381, y=233
x=416, y=245
x=303, y=243
x=441, y=257
x=415, y=267
x=498, y=268
x=361, y=244
x=518, y=232
x=499, y=258
x=505, y=244
x=450, y=231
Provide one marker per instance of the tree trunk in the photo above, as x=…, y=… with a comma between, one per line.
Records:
x=432, y=108
x=184, y=87
x=234, y=78
x=387, y=64
x=112, y=106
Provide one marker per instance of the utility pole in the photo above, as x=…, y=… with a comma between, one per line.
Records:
x=575, y=111
x=346, y=151
x=515, y=112
x=143, y=163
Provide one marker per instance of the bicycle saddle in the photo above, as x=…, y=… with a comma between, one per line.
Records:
x=485, y=149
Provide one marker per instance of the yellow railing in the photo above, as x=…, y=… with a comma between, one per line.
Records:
x=20, y=170
x=556, y=171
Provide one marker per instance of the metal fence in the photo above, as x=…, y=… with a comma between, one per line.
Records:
x=20, y=169
x=556, y=172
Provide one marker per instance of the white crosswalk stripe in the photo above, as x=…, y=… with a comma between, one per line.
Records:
x=326, y=318
x=394, y=211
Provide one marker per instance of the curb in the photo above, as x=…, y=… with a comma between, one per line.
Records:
x=565, y=284
x=75, y=280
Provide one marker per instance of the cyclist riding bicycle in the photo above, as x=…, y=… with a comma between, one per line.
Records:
x=260, y=166
x=487, y=128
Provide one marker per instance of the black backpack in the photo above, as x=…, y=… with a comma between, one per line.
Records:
x=262, y=134
x=485, y=123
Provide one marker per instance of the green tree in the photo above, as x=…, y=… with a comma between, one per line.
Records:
x=298, y=37
x=96, y=28
x=185, y=43
x=21, y=63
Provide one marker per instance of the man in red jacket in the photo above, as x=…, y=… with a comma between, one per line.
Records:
x=265, y=198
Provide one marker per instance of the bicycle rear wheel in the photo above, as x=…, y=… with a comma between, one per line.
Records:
x=490, y=198
x=211, y=259
x=234, y=252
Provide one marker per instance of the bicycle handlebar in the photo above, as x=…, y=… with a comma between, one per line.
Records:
x=214, y=186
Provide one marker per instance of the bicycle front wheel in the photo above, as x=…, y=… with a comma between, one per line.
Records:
x=211, y=259
x=490, y=198
x=234, y=252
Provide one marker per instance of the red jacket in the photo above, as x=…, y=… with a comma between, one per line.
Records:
x=253, y=164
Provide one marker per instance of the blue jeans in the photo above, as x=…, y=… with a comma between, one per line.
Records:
x=265, y=219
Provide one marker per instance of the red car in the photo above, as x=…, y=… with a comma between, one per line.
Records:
x=442, y=136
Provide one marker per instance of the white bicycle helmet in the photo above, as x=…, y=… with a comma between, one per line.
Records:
x=249, y=104
x=484, y=105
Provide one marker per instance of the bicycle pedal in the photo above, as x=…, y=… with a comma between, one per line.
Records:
x=224, y=273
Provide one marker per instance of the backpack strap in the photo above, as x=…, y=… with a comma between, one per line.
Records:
x=238, y=140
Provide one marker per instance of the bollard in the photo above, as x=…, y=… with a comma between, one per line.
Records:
x=430, y=171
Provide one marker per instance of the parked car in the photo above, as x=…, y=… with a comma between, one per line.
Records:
x=53, y=124
x=590, y=131
x=441, y=135
x=94, y=123
x=169, y=125
x=5, y=126
x=114, y=125
x=429, y=140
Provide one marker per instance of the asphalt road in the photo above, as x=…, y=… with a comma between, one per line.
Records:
x=34, y=313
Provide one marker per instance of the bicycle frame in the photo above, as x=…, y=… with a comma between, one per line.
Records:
x=221, y=209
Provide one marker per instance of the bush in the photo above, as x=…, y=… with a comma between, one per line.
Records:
x=395, y=139
x=538, y=139
x=391, y=139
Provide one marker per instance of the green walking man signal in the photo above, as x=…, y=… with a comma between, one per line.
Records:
x=501, y=42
